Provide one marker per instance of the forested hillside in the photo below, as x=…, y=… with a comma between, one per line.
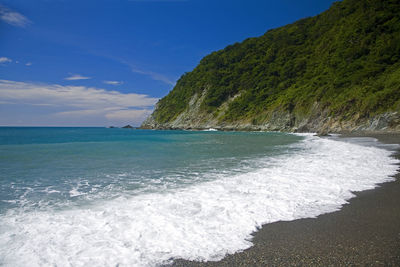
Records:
x=339, y=70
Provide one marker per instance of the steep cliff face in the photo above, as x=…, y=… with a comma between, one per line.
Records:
x=336, y=72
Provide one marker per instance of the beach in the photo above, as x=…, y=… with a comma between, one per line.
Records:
x=365, y=232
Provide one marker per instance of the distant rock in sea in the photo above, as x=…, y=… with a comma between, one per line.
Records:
x=128, y=127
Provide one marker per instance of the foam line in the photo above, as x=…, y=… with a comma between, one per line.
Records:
x=204, y=221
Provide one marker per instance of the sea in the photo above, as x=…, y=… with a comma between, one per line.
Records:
x=123, y=197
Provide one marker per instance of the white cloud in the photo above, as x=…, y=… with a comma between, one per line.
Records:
x=81, y=112
x=76, y=96
x=28, y=64
x=5, y=60
x=128, y=114
x=78, y=103
x=76, y=77
x=13, y=18
x=113, y=82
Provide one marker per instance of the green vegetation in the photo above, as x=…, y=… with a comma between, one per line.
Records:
x=347, y=59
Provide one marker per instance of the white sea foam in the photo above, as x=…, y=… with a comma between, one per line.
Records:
x=204, y=221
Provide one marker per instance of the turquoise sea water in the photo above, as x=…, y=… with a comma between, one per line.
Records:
x=54, y=167
x=98, y=196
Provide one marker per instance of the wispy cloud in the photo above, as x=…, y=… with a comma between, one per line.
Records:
x=76, y=77
x=13, y=18
x=79, y=102
x=5, y=60
x=139, y=70
x=28, y=64
x=153, y=75
x=113, y=82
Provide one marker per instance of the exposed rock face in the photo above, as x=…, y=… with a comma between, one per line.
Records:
x=317, y=121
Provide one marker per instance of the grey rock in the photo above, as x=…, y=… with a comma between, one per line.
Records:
x=317, y=120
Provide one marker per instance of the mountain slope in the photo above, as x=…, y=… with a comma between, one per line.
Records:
x=338, y=71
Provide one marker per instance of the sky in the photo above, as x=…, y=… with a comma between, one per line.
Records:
x=107, y=62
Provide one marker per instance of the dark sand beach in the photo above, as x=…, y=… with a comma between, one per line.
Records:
x=365, y=232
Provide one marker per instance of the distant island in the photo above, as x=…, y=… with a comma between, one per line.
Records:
x=335, y=72
x=127, y=127
x=123, y=127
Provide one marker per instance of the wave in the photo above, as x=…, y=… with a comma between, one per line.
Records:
x=204, y=221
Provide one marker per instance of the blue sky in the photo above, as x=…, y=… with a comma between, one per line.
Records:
x=107, y=62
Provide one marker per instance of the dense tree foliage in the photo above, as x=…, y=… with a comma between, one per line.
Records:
x=347, y=59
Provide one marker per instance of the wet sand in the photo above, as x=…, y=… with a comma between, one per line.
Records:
x=365, y=232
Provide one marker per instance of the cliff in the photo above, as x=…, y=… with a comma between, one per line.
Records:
x=336, y=72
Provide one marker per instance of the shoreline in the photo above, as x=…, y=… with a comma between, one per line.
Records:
x=366, y=231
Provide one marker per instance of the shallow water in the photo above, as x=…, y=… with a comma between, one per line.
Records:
x=79, y=196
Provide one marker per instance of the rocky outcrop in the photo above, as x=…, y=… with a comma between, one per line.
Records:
x=318, y=121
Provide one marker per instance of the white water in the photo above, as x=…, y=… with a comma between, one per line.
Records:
x=205, y=221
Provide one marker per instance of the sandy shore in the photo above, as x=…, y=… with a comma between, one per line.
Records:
x=365, y=232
